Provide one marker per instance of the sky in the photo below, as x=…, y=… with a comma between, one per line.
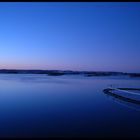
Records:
x=90, y=36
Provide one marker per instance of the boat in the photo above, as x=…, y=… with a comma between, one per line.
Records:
x=127, y=94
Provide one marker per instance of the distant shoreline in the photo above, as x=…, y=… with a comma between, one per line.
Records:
x=68, y=72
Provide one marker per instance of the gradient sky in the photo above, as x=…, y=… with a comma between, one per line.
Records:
x=71, y=36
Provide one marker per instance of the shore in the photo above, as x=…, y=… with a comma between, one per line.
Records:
x=68, y=72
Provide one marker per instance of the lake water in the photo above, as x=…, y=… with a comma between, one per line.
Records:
x=33, y=105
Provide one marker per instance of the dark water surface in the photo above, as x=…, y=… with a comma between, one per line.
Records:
x=65, y=106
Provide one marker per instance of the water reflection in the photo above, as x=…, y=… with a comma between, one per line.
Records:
x=128, y=102
x=66, y=106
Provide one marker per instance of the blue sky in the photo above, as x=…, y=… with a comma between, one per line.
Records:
x=71, y=36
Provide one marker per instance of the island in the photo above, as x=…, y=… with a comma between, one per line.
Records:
x=68, y=72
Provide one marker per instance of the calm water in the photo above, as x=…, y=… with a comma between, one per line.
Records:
x=65, y=106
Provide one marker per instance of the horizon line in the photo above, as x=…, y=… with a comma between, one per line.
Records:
x=70, y=70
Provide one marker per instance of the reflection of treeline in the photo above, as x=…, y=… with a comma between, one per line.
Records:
x=68, y=72
x=103, y=73
x=134, y=75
